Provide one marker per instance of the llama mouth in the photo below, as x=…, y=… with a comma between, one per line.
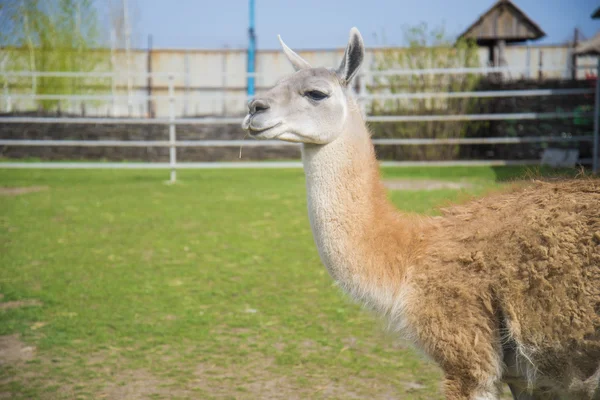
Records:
x=255, y=133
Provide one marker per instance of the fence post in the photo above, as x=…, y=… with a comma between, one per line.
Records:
x=172, y=137
x=596, y=118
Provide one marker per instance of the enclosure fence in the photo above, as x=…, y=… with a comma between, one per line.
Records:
x=172, y=121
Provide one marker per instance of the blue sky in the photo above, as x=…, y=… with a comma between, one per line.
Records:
x=325, y=24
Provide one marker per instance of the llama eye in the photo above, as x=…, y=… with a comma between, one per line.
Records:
x=315, y=95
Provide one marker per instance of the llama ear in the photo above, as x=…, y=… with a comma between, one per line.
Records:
x=297, y=61
x=353, y=57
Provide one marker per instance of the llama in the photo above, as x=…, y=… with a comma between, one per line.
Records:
x=504, y=289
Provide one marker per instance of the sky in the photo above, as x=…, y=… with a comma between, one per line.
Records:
x=319, y=24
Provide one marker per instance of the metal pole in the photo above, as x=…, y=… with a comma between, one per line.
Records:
x=172, y=138
x=128, y=55
x=251, y=52
x=28, y=34
x=596, y=119
x=224, y=83
x=573, y=55
x=149, y=83
x=187, y=83
x=113, y=65
x=541, y=65
x=528, y=62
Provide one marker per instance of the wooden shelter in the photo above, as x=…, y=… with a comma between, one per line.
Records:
x=503, y=23
x=590, y=47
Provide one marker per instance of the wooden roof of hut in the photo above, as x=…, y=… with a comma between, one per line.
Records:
x=589, y=47
x=592, y=46
x=503, y=21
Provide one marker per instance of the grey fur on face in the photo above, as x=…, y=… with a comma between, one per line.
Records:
x=309, y=106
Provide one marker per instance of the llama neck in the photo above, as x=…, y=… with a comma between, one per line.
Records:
x=361, y=238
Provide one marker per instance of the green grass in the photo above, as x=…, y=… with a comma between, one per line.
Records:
x=209, y=288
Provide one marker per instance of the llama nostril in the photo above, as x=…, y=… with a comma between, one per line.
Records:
x=258, y=105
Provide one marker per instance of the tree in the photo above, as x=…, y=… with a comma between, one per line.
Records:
x=56, y=36
x=427, y=49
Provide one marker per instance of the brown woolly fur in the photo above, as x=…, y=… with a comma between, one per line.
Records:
x=505, y=288
x=521, y=272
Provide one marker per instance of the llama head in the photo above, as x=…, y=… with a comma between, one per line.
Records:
x=309, y=106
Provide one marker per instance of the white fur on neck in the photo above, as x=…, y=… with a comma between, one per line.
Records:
x=339, y=206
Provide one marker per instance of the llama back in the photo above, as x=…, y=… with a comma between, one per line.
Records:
x=539, y=248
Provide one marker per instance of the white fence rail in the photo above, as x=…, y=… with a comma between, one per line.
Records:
x=172, y=121
x=276, y=143
x=382, y=96
x=256, y=165
x=232, y=120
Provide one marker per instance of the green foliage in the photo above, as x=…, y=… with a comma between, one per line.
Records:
x=426, y=49
x=581, y=115
x=53, y=36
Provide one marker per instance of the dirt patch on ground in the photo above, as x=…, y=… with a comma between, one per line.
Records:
x=260, y=380
x=13, y=350
x=20, y=303
x=15, y=191
x=106, y=375
x=413, y=184
x=140, y=384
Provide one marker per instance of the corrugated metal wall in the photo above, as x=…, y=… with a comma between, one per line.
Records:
x=213, y=82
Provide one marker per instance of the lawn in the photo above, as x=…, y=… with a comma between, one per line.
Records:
x=116, y=285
